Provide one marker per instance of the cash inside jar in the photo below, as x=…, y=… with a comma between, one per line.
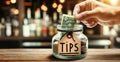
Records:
x=69, y=43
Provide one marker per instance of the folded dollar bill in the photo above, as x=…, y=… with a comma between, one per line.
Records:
x=68, y=21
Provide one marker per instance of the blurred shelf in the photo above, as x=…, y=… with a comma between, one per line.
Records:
x=24, y=38
x=36, y=38
x=9, y=38
x=36, y=44
x=48, y=38
x=47, y=46
x=92, y=37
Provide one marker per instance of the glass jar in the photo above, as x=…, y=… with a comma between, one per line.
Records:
x=69, y=43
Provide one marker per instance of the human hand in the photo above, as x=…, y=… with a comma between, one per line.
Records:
x=92, y=12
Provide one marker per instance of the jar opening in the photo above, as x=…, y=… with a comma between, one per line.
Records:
x=75, y=28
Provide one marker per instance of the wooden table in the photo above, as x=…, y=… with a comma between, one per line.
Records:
x=45, y=55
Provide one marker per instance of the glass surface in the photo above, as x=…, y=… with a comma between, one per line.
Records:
x=75, y=32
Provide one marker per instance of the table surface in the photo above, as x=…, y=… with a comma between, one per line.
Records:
x=45, y=55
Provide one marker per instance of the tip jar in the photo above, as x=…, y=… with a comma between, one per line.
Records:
x=69, y=43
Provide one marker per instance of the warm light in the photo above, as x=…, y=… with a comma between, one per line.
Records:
x=62, y=1
x=13, y=1
x=44, y=8
x=114, y=2
x=60, y=6
x=7, y=2
x=54, y=5
x=59, y=9
x=14, y=11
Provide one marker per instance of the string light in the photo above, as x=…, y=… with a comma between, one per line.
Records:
x=60, y=6
x=59, y=9
x=14, y=11
x=13, y=1
x=62, y=1
x=7, y=2
x=44, y=7
x=54, y=5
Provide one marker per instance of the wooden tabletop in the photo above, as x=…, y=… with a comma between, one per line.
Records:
x=45, y=55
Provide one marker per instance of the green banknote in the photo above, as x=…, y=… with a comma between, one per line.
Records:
x=68, y=21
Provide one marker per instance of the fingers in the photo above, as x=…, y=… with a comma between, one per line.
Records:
x=87, y=17
x=76, y=10
x=92, y=22
x=87, y=14
x=79, y=8
x=83, y=11
x=83, y=6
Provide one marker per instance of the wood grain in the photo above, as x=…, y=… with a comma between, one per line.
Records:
x=38, y=55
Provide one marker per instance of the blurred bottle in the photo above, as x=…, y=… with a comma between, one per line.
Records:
x=45, y=24
x=31, y=23
x=44, y=31
x=60, y=17
x=15, y=25
x=53, y=24
x=38, y=22
x=2, y=27
x=69, y=12
x=32, y=27
x=50, y=28
x=8, y=27
x=26, y=30
x=28, y=13
x=55, y=17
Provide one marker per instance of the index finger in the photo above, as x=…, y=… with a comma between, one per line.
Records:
x=76, y=10
x=80, y=7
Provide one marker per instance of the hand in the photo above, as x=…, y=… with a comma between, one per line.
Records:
x=92, y=12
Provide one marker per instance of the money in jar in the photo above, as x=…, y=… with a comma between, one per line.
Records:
x=69, y=42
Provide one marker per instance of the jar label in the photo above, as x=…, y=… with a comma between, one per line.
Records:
x=69, y=45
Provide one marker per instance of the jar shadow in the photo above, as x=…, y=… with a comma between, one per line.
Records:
x=52, y=58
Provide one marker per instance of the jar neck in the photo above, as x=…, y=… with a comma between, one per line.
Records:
x=75, y=28
x=75, y=31
x=69, y=30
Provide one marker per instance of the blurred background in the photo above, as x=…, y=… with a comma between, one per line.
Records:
x=32, y=24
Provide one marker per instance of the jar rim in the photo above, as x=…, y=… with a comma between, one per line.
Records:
x=76, y=27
